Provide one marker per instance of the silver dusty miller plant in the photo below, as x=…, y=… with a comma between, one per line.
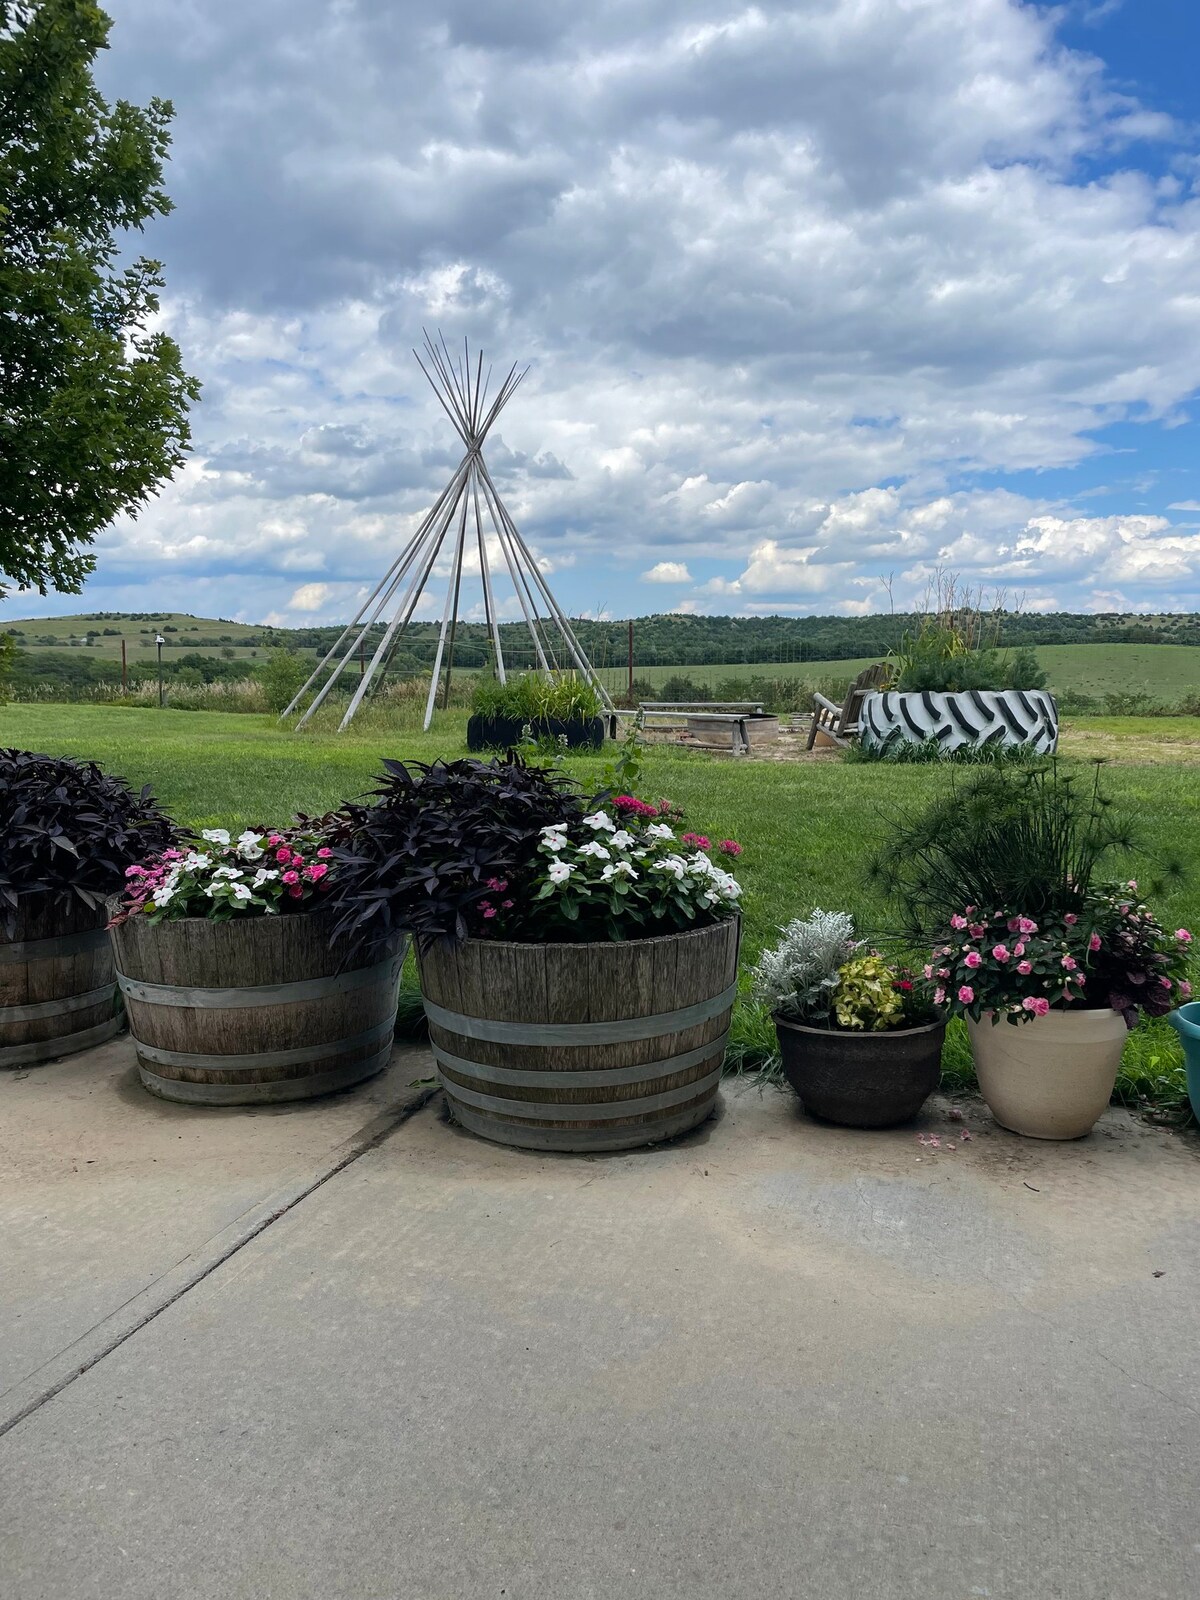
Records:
x=797, y=978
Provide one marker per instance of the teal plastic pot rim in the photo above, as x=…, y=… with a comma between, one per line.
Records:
x=1187, y=1019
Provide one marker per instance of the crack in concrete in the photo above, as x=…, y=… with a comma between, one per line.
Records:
x=367, y=1139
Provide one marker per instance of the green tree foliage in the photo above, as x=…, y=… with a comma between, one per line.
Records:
x=281, y=674
x=93, y=405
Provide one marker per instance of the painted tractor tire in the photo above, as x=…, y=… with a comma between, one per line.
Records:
x=970, y=717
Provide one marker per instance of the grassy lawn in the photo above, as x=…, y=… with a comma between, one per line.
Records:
x=808, y=828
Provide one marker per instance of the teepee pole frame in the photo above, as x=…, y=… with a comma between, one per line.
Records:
x=465, y=395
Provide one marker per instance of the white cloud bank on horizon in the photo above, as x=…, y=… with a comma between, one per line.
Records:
x=798, y=284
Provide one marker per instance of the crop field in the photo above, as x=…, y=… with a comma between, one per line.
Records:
x=808, y=828
x=1164, y=671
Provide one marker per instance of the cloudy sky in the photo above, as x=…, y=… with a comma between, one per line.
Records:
x=811, y=293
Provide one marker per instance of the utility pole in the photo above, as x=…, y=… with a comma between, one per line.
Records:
x=124, y=669
x=160, y=641
x=630, y=683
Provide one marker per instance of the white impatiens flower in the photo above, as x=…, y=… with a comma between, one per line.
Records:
x=622, y=840
x=263, y=875
x=215, y=835
x=194, y=861
x=675, y=865
x=618, y=869
x=594, y=848
x=560, y=871
x=227, y=872
x=240, y=891
x=250, y=845
x=659, y=830
x=601, y=822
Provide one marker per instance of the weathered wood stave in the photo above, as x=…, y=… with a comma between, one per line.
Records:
x=609, y=1046
x=253, y=1011
x=58, y=990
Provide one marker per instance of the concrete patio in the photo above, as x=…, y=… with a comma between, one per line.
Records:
x=345, y=1350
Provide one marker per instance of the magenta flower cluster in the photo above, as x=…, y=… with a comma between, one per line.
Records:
x=1109, y=953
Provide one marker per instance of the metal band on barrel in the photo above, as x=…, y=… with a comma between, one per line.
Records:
x=37, y=1009
x=603, y=1078
x=27, y=1055
x=65, y=944
x=252, y=1093
x=609, y=1111
x=619, y=1031
x=257, y=1060
x=263, y=994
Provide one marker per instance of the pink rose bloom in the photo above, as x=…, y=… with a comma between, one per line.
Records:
x=1183, y=936
x=1000, y=952
x=1094, y=942
x=1026, y=925
x=1024, y=968
x=958, y=922
x=1070, y=919
x=284, y=855
x=317, y=872
x=939, y=997
x=324, y=853
x=291, y=877
x=966, y=994
x=972, y=958
x=729, y=847
x=1070, y=963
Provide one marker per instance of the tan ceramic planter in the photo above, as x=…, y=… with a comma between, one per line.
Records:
x=1052, y=1077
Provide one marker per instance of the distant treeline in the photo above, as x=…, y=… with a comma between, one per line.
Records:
x=667, y=639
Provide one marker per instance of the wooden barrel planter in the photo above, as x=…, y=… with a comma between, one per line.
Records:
x=58, y=991
x=582, y=1046
x=254, y=1011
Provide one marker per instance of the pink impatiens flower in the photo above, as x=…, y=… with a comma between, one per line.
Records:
x=1000, y=952
x=284, y=855
x=1185, y=988
x=939, y=997
x=1026, y=925
x=291, y=877
x=1094, y=941
x=315, y=872
x=324, y=853
x=972, y=958
x=976, y=930
x=1024, y=968
x=1036, y=1005
x=1183, y=936
x=1070, y=963
x=958, y=922
x=1018, y=949
x=966, y=994
x=1070, y=919
x=927, y=972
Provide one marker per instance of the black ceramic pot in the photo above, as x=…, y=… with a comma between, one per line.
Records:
x=862, y=1080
